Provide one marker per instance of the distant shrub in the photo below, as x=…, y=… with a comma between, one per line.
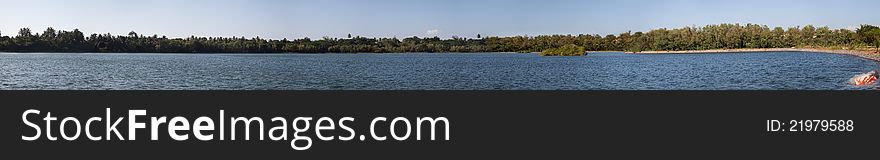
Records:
x=566, y=50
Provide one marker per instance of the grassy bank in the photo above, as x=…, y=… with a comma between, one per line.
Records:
x=567, y=50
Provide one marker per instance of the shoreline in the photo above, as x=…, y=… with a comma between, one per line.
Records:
x=871, y=55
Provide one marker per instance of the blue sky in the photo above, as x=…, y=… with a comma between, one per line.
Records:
x=402, y=18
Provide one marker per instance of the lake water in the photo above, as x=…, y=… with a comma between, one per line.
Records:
x=418, y=71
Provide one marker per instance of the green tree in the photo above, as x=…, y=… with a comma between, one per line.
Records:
x=777, y=39
x=874, y=36
x=24, y=32
x=864, y=33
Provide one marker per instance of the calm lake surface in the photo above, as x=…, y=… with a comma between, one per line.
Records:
x=417, y=71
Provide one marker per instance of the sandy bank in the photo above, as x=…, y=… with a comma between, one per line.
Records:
x=873, y=55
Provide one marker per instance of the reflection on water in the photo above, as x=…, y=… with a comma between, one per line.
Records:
x=602, y=71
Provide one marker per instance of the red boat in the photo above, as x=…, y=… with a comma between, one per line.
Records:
x=868, y=78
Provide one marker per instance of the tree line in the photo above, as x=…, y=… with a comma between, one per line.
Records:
x=721, y=36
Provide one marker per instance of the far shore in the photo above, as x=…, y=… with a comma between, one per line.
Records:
x=867, y=54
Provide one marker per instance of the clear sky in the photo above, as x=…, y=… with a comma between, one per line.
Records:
x=402, y=18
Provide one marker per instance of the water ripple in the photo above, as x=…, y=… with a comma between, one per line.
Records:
x=477, y=71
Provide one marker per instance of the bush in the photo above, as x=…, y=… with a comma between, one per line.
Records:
x=567, y=50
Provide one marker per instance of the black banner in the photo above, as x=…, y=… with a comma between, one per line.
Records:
x=481, y=124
